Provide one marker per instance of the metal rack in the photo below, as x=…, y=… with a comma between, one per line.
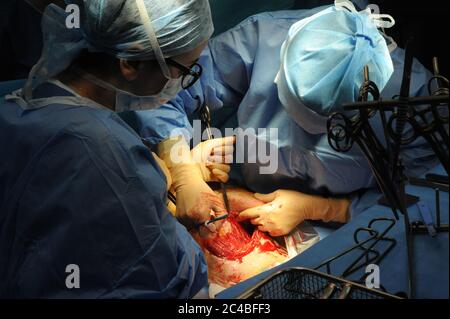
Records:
x=426, y=116
x=318, y=283
x=369, y=247
x=302, y=283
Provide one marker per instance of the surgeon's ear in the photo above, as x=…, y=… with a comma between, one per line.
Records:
x=129, y=69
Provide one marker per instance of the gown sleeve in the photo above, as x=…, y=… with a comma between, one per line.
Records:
x=95, y=198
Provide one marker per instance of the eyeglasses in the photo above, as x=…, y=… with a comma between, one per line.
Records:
x=190, y=75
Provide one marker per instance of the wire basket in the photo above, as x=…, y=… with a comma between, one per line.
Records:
x=302, y=283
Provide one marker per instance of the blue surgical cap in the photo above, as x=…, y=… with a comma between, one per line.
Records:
x=121, y=29
x=115, y=26
x=322, y=64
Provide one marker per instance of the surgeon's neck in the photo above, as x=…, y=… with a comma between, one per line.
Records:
x=88, y=90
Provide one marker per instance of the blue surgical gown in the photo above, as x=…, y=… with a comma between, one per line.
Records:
x=78, y=186
x=239, y=68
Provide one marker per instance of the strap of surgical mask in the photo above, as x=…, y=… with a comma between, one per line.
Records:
x=94, y=80
x=143, y=12
x=345, y=4
x=101, y=83
x=381, y=21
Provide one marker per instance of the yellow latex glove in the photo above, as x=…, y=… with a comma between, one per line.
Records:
x=196, y=201
x=285, y=209
x=213, y=157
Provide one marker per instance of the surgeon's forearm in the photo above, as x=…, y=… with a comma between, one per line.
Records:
x=330, y=210
x=174, y=151
x=176, y=154
x=337, y=210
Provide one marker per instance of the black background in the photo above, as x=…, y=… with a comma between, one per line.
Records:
x=427, y=21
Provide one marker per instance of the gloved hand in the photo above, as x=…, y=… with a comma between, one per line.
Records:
x=196, y=201
x=213, y=157
x=285, y=209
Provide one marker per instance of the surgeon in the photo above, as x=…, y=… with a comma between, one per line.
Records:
x=289, y=71
x=82, y=199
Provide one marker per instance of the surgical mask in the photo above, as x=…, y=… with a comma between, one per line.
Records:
x=133, y=102
x=127, y=101
x=171, y=88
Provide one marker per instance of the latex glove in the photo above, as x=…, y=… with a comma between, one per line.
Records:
x=213, y=157
x=196, y=201
x=285, y=209
x=165, y=170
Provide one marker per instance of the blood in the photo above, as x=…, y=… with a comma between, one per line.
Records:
x=233, y=242
x=268, y=244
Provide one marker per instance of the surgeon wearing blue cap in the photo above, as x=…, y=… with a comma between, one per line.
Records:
x=290, y=70
x=82, y=200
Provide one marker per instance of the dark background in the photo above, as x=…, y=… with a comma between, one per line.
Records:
x=427, y=21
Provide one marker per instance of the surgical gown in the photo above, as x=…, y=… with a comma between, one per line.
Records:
x=239, y=68
x=78, y=187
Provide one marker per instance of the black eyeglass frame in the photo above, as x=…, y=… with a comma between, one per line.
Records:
x=187, y=72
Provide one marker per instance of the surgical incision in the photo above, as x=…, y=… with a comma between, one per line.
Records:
x=239, y=251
